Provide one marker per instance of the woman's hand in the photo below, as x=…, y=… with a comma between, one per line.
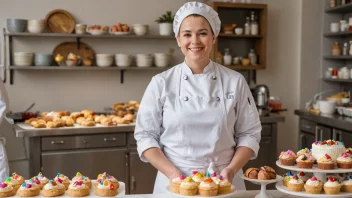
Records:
x=228, y=174
x=174, y=173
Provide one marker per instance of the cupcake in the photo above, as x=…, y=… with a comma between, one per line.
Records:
x=303, y=151
x=175, y=184
x=43, y=180
x=62, y=179
x=198, y=177
x=346, y=184
x=53, y=189
x=105, y=176
x=18, y=177
x=326, y=163
x=224, y=185
x=208, y=188
x=305, y=160
x=313, y=186
x=85, y=179
x=106, y=189
x=188, y=187
x=78, y=189
x=295, y=184
x=303, y=176
x=6, y=190
x=34, y=182
x=344, y=161
x=332, y=186
x=28, y=190
x=287, y=158
x=13, y=182
x=286, y=178
x=349, y=151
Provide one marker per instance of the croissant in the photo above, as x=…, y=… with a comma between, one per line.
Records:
x=50, y=124
x=98, y=118
x=64, y=118
x=87, y=113
x=117, y=120
x=252, y=173
x=270, y=171
x=87, y=123
x=69, y=122
x=59, y=123
x=30, y=120
x=38, y=124
x=106, y=122
x=129, y=117
x=76, y=115
x=263, y=175
x=121, y=113
x=80, y=119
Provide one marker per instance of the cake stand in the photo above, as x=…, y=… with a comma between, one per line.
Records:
x=263, y=183
x=318, y=173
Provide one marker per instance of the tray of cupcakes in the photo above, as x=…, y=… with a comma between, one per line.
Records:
x=321, y=161
x=61, y=185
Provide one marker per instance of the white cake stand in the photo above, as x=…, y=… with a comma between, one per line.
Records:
x=318, y=173
x=263, y=183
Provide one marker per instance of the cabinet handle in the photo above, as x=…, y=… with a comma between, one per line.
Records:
x=57, y=142
x=133, y=181
x=334, y=134
x=126, y=159
x=301, y=140
x=316, y=133
x=84, y=141
x=110, y=139
x=340, y=136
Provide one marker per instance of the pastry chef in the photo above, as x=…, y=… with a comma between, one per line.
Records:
x=4, y=101
x=198, y=112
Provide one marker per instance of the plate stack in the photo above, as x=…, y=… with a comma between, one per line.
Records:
x=144, y=60
x=23, y=58
x=162, y=59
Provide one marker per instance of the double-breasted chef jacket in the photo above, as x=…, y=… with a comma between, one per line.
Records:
x=196, y=119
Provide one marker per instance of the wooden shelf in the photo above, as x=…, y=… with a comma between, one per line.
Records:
x=338, y=57
x=85, y=68
x=239, y=36
x=340, y=9
x=243, y=67
x=338, y=80
x=338, y=34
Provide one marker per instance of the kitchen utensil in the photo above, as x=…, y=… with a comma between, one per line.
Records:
x=261, y=97
x=85, y=51
x=60, y=21
x=30, y=107
x=16, y=25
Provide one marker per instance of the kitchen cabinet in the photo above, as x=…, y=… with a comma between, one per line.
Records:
x=306, y=140
x=343, y=136
x=323, y=133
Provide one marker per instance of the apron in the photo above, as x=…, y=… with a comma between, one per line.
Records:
x=201, y=116
x=4, y=166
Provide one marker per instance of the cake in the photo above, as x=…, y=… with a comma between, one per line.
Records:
x=27, y=190
x=287, y=158
x=332, y=186
x=208, y=188
x=78, y=189
x=62, y=179
x=106, y=189
x=305, y=160
x=303, y=176
x=43, y=180
x=295, y=184
x=197, y=177
x=85, y=179
x=6, y=190
x=313, y=186
x=53, y=189
x=326, y=162
x=105, y=176
x=346, y=184
x=224, y=185
x=175, y=184
x=344, y=161
x=333, y=148
x=251, y=173
x=188, y=187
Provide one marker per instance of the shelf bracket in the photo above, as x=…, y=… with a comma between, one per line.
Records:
x=78, y=39
x=122, y=72
x=11, y=76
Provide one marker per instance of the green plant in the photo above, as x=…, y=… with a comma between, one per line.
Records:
x=166, y=18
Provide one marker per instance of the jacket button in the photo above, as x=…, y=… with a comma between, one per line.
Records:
x=214, y=77
x=185, y=98
x=217, y=99
x=185, y=77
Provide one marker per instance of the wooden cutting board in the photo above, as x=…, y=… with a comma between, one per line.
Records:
x=60, y=21
x=71, y=47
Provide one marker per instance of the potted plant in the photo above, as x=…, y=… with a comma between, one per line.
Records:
x=165, y=24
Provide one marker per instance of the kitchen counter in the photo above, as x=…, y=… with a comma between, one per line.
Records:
x=335, y=120
x=23, y=131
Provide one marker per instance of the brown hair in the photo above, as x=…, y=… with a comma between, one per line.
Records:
x=197, y=15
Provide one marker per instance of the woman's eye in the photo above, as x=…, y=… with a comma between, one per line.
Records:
x=187, y=35
x=203, y=33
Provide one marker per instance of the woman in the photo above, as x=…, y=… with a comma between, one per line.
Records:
x=197, y=112
x=4, y=100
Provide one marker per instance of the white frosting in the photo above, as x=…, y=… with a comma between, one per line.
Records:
x=207, y=185
x=65, y=178
x=334, y=151
x=49, y=186
x=8, y=188
x=295, y=181
x=303, y=178
x=43, y=179
x=24, y=188
x=86, y=179
x=347, y=182
x=224, y=182
x=331, y=184
x=188, y=184
x=197, y=179
x=101, y=186
x=177, y=180
x=344, y=159
x=34, y=185
x=77, y=187
x=314, y=183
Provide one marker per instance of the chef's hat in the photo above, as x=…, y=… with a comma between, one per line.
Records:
x=197, y=8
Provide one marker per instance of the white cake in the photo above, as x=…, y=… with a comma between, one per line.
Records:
x=333, y=148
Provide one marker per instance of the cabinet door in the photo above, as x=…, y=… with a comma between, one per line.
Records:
x=142, y=175
x=323, y=133
x=306, y=140
x=343, y=136
x=88, y=162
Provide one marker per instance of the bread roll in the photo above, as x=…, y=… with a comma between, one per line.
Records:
x=30, y=120
x=50, y=124
x=80, y=119
x=38, y=124
x=252, y=173
x=87, y=113
x=263, y=175
x=87, y=123
x=106, y=122
x=129, y=117
x=76, y=115
x=270, y=171
x=69, y=122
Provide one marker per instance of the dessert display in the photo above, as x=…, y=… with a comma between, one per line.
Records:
x=53, y=189
x=15, y=181
x=61, y=178
x=28, y=190
x=286, y=178
x=331, y=147
x=85, y=179
x=295, y=184
x=326, y=162
x=224, y=185
x=78, y=189
x=197, y=177
x=344, y=161
x=313, y=186
x=288, y=158
x=264, y=173
x=43, y=180
x=6, y=190
x=303, y=176
x=106, y=189
x=305, y=160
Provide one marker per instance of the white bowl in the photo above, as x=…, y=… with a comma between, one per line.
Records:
x=140, y=29
x=104, y=60
x=36, y=26
x=123, y=60
x=327, y=107
x=23, y=60
x=239, y=31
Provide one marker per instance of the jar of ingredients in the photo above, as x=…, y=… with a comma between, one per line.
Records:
x=247, y=26
x=236, y=61
x=345, y=49
x=343, y=24
x=227, y=57
x=252, y=57
x=345, y=73
x=332, y=3
x=334, y=73
x=336, y=49
x=275, y=103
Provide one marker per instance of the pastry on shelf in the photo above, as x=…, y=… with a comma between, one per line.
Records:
x=50, y=124
x=79, y=120
x=208, y=188
x=85, y=179
x=251, y=173
x=98, y=118
x=129, y=117
x=346, y=184
x=30, y=120
x=270, y=171
x=326, y=163
x=38, y=124
x=344, y=161
x=106, y=189
x=313, y=186
x=43, y=180
x=78, y=189
x=87, y=123
x=28, y=190
x=16, y=180
x=110, y=178
x=288, y=158
x=53, y=189
x=76, y=115
x=6, y=190
x=175, y=184
x=295, y=184
x=62, y=179
x=286, y=178
x=107, y=122
x=188, y=187
x=331, y=147
x=87, y=113
x=305, y=160
x=332, y=186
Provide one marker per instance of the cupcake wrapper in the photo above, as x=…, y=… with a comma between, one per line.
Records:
x=347, y=188
x=324, y=166
x=287, y=162
x=332, y=190
x=208, y=193
x=305, y=164
x=295, y=187
x=188, y=192
x=344, y=165
x=313, y=189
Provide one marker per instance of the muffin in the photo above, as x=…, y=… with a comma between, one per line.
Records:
x=78, y=189
x=251, y=173
x=224, y=185
x=53, y=189
x=6, y=190
x=175, y=184
x=105, y=176
x=288, y=158
x=332, y=186
x=344, y=161
x=198, y=177
x=85, y=179
x=326, y=163
x=286, y=178
x=61, y=178
x=208, y=188
x=106, y=189
x=346, y=184
x=305, y=160
x=188, y=187
x=313, y=186
x=295, y=184
x=303, y=176
x=43, y=180
x=303, y=151
x=28, y=190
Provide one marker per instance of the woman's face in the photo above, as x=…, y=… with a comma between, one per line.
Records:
x=195, y=38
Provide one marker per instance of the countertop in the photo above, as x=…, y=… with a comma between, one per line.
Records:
x=22, y=131
x=335, y=120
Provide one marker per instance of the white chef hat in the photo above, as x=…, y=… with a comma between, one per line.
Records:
x=197, y=8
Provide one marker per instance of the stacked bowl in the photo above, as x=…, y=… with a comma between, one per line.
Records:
x=36, y=26
x=144, y=60
x=140, y=29
x=123, y=60
x=43, y=59
x=23, y=58
x=16, y=25
x=104, y=60
x=162, y=59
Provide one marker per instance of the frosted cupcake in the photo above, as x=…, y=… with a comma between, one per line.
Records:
x=288, y=158
x=326, y=163
x=344, y=161
x=347, y=184
x=105, y=176
x=224, y=185
x=313, y=186
x=34, y=182
x=175, y=184
x=6, y=190
x=85, y=179
x=304, y=177
x=53, y=189
x=106, y=189
x=303, y=151
x=27, y=190
x=286, y=178
x=78, y=189
x=208, y=188
x=198, y=177
x=188, y=187
x=43, y=180
x=62, y=179
x=332, y=186
x=295, y=184
x=13, y=182
x=305, y=161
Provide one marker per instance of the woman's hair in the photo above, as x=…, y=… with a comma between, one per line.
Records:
x=197, y=15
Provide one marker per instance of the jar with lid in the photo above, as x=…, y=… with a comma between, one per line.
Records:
x=275, y=103
x=345, y=49
x=247, y=26
x=336, y=49
x=345, y=73
x=227, y=57
x=252, y=57
x=254, y=25
x=343, y=25
x=332, y=3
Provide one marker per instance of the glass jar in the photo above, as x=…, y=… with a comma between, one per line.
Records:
x=252, y=57
x=275, y=103
x=332, y=3
x=247, y=26
x=334, y=73
x=328, y=73
x=336, y=49
x=227, y=57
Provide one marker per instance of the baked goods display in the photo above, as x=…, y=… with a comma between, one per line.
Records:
x=106, y=177
x=43, y=180
x=78, y=189
x=6, y=190
x=333, y=148
x=83, y=178
x=264, y=173
x=53, y=189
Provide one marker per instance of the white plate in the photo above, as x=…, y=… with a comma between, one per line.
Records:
x=260, y=182
x=315, y=169
x=233, y=191
x=284, y=189
x=120, y=33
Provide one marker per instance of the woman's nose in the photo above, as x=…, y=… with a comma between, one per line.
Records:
x=195, y=39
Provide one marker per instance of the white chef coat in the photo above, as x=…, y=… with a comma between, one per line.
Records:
x=4, y=100
x=197, y=119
